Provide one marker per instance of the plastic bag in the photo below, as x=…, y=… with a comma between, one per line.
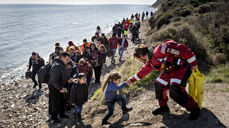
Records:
x=196, y=86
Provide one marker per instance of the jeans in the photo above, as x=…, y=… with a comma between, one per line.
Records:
x=78, y=109
x=111, y=105
x=120, y=52
x=113, y=56
x=34, y=72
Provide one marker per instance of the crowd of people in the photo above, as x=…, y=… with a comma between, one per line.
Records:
x=71, y=70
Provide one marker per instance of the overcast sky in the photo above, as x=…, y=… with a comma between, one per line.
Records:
x=77, y=1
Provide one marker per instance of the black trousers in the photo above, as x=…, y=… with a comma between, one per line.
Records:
x=34, y=72
x=97, y=71
x=56, y=103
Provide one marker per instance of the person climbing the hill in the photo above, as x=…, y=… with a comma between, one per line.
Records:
x=143, y=16
x=111, y=85
x=104, y=40
x=54, y=55
x=101, y=60
x=70, y=43
x=135, y=33
x=119, y=29
x=147, y=13
x=79, y=95
x=126, y=27
x=96, y=36
x=112, y=44
x=84, y=45
x=84, y=67
x=58, y=45
x=175, y=61
x=123, y=44
x=98, y=30
x=36, y=62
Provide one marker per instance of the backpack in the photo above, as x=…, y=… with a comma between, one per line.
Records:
x=43, y=73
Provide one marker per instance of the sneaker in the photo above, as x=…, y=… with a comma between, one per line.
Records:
x=127, y=110
x=194, y=114
x=64, y=116
x=105, y=123
x=160, y=110
x=35, y=85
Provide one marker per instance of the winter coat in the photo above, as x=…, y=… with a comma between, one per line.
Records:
x=94, y=55
x=125, y=43
x=104, y=42
x=126, y=25
x=119, y=28
x=53, y=56
x=58, y=75
x=102, y=57
x=79, y=94
x=73, y=72
x=94, y=37
x=87, y=56
x=36, y=64
x=75, y=58
x=111, y=90
x=83, y=68
x=113, y=42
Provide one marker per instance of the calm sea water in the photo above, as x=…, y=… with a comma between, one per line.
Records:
x=28, y=28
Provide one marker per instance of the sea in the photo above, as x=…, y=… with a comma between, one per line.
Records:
x=26, y=28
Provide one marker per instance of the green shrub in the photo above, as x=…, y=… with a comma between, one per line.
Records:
x=194, y=3
x=220, y=58
x=182, y=12
x=204, y=8
x=164, y=19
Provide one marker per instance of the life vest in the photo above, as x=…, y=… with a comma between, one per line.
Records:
x=171, y=60
x=83, y=47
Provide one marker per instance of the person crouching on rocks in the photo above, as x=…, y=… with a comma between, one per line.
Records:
x=79, y=95
x=111, y=86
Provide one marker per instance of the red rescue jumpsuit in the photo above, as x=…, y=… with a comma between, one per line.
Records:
x=174, y=79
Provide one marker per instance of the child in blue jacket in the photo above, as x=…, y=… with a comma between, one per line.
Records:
x=111, y=86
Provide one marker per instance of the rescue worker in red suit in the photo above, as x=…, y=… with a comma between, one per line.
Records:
x=175, y=61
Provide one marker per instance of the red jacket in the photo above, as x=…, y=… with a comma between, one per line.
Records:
x=83, y=68
x=113, y=42
x=168, y=50
x=126, y=25
x=125, y=44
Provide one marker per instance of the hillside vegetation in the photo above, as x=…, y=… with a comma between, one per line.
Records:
x=203, y=26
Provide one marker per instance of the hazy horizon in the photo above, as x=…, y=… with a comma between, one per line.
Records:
x=79, y=2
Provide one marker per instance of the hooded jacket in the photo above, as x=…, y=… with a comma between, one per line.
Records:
x=79, y=94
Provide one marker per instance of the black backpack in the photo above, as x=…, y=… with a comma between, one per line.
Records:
x=43, y=73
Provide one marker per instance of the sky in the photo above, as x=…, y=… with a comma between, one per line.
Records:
x=149, y=2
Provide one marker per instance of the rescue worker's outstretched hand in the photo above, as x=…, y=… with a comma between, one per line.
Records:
x=128, y=82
